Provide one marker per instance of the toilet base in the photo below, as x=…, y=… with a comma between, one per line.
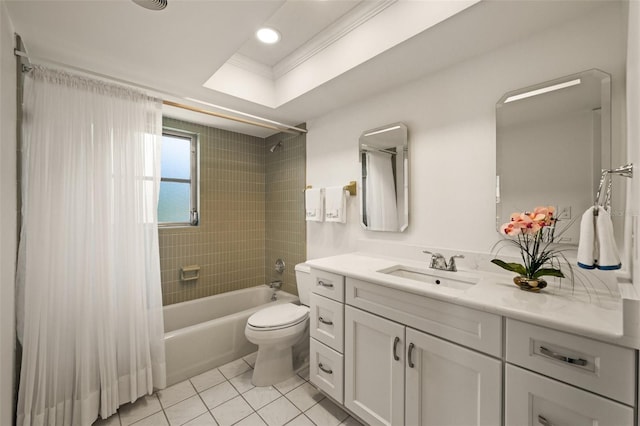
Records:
x=273, y=365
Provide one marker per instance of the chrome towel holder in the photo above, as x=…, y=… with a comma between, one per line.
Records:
x=625, y=171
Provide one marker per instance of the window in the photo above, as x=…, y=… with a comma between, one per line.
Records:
x=178, y=203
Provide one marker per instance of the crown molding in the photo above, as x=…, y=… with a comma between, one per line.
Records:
x=250, y=65
x=349, y=22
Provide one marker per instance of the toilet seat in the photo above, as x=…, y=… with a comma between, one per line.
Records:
x=277, y=317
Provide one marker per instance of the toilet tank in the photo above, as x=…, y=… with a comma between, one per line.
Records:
x=303, y=281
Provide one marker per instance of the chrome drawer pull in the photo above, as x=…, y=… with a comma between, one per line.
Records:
x=543, y=421
x=409, y=352
x=324, y=321
x=323, y=284
x=560, y=357
x=395, y=345
x=328, y=371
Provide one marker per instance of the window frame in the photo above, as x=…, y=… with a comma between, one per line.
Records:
x=194, y=181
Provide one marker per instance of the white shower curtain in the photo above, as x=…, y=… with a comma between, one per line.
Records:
x=89, y=296
x=382, y=211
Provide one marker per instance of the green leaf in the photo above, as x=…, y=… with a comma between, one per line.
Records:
x=513, y=267
x=548, y=271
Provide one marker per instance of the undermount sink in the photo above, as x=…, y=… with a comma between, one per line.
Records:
x=456, y=280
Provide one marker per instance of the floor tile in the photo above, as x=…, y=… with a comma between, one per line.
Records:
x=157, y=419
x=251, y=359
x=207, y=379
x=258, y=397
x=304, y=373
x=113, y=420
x=218, y=394
x=234, y=368
x=279, y=412
x=143, y=407
x=305, y=396
x=252, y=420
x=326, y=413
x=176, y=393
x=301, y=420
x=205, y=419
x=290, y=384
x=242, y=383
x=186, y=410
x=350, y=421
x=232, y=411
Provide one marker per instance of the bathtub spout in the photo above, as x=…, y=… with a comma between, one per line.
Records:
x=277, y=284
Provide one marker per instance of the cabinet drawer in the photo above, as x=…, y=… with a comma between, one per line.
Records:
x=532, y=399
x=596, y=366
x=327, y=322
x=328, y=284
x=468, y=327
x=326, y=369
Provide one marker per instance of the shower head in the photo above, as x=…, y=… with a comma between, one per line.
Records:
x=275, y=147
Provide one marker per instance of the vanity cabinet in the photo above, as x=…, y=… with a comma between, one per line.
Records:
x=532, y=399
x=374, y=367
x=326, y=328
x=574, y=380
x=393, y=357
x=396, y=375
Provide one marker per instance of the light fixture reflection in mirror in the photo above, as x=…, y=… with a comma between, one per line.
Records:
x=384, y=201
x=552, y=140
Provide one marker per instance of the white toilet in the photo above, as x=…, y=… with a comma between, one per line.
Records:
x=276, y=330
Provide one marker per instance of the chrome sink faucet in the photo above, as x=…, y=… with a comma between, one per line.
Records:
x=440, y=263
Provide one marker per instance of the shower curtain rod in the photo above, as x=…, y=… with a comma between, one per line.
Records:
x=267, y=124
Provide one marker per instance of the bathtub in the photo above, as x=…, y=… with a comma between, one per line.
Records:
x=208, y=332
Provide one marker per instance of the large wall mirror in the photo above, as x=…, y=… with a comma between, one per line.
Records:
x=384, y=184
x=553, y=139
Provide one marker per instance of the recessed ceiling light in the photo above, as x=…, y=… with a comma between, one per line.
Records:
x=268, y=35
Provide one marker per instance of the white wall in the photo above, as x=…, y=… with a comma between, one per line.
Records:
x=451, y=121
x=8, y=187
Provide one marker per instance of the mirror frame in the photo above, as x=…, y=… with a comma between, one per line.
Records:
x=399, y=172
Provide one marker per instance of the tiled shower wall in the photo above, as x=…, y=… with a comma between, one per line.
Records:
x=285, y=222
x=230, y=243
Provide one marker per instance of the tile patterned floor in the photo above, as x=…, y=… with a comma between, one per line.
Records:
x=225, y=396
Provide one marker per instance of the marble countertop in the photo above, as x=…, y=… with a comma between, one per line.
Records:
x=587, y=312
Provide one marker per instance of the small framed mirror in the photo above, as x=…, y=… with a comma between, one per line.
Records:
x=384, y=183
x=552, y=141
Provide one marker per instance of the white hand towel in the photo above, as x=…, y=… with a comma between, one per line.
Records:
x=587, y=246
x=608, y=258
x=335, y=204
x=314, y=204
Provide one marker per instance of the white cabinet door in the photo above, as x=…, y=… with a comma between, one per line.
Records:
x=447, y=384
x=535, y=400
x=374, y=368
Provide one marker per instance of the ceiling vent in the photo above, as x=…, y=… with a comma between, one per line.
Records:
x=152, y=4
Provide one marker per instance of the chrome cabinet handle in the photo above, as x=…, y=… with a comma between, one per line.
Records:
x=409, y=352
x=543, y=421
x=328, y=371
x=563, y=358
x=323, y=284
x=324, y=321
x=395, y=345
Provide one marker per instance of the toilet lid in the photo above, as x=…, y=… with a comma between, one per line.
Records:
x=280, y=315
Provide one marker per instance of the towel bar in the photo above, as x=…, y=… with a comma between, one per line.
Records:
x=351, y=187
